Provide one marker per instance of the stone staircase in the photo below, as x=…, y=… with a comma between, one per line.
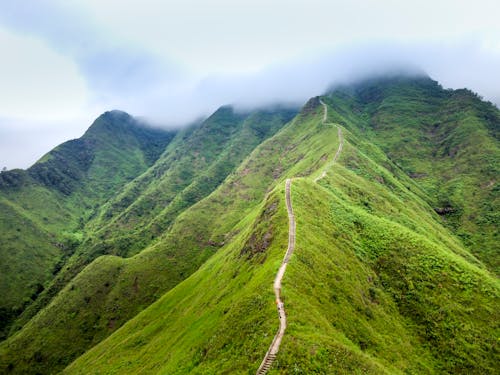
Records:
x=266, y=364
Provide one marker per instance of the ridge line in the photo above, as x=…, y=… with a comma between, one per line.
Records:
x=341, y=141
x=275, y=344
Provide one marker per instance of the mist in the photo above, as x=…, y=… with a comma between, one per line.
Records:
x=292, y=83
x=65, y=63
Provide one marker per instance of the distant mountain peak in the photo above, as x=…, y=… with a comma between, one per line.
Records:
x=384, y=79
x=116, y=114
x=110, y=120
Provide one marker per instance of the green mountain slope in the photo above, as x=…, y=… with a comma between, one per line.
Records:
x=112, y=290
x=196, y=162
x=376, y=284
x=114, y=150
x=446, y=140
x=45, y=207
x=24, y=245
x=386, y=277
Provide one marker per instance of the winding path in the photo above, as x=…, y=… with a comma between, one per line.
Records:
x=341, y=141
x=275, y=345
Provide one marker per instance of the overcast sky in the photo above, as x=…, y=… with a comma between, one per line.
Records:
x=63, y=62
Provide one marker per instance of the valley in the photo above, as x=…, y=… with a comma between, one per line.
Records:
x=154, y=251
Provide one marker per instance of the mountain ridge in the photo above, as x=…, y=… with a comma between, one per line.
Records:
x=58, y=193
x=226, y=244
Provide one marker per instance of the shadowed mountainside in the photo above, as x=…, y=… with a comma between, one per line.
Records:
x=44, y=209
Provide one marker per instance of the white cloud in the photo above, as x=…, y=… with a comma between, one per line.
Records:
x=22, y=142
x=37, y=82
x=227, y=36
x=175, y=60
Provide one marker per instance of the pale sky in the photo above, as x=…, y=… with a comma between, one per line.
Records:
x=64, y=62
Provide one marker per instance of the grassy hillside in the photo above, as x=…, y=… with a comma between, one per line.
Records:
x=384, y=278
x=114, y=150
x=28, y=254
x=447, y=141
x=44, y=208
x=376, y=284
x=195, y=163
x=146, y=207
x=112, y=290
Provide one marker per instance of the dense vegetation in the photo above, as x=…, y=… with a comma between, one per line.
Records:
x=446, y=140
x=44, y=208
x=113, y=290
x=396, y=259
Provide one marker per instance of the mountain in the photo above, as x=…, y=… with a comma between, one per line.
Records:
x=205, y=152
x=395, y=267
x=44, y=208
x=447, y=141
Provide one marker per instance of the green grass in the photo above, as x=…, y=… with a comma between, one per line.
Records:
x=197, y=161
x=447, y=141
x=379, y=282
x=376, y=285
x=231, y=297
x=46, y=207
x=146, y=208
x=28, y=255
x=33, y=243
x=362, y=280
x=141, y=279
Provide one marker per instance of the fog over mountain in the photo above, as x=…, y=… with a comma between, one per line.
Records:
x=252, y=186
x=65, y=63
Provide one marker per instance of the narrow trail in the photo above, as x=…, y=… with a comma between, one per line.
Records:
x=275, y=345
x=341, y=141
x=325, y=113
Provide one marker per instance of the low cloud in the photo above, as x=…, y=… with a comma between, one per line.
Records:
x=141, y=79
x=112, y=68
x=456, y=65
x=128, y=77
